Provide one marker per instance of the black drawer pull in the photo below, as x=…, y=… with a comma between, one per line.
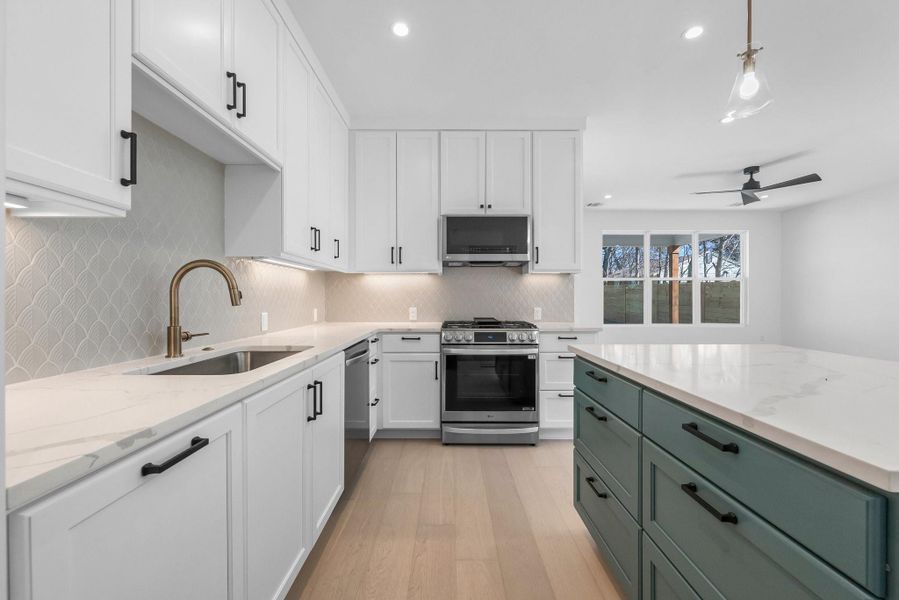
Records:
x=690, y=490
x=561, y=395
x=411, y=338
x=243, y=110
x=436, y=370
x=132, y=139
x=233, y=77
x=314, y=402
x=592, y=375
x=590, y=481
x=566, y=337
x=375, y=361
x=375, y=403
x=196, y=445
x=337, y=252
x=374, y=340
x=693, y=429
x=566, y=357
x=321, y=395
x=592, y=411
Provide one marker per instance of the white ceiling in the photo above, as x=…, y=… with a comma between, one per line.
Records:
x=652, y=100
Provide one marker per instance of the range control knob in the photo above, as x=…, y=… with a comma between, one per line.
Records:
x=469, y=337
x=447, y=337
x=458, y=337
x=513, y=337
x=533, y=336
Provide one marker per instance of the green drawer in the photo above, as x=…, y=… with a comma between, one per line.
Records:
x=611, y=447
x=843, y=523
x=723, y=549
x=661, y=581
x=615, y=532
x=618, y=395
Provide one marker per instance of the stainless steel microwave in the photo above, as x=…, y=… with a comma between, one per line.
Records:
x=486, y=241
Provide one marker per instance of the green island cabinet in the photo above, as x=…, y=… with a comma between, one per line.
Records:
x=683, y=506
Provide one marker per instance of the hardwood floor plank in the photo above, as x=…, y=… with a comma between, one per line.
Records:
x=438, y=497
x=474, y=527
x=524, y=575
x=410, y=476
x=390, y=565
x=479, y=580
x=433, y=563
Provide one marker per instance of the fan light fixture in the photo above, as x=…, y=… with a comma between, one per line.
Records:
x=400, y=29
x=750, y=93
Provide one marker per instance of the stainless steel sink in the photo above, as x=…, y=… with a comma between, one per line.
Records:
x=239, y=361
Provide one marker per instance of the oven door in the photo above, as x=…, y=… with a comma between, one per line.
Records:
x=489, y=384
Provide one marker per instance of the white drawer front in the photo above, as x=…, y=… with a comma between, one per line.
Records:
x=556, y=371
x=410, y=342
x=557, y=410
x=558, y=341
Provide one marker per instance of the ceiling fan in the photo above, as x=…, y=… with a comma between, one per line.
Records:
x=752, y=187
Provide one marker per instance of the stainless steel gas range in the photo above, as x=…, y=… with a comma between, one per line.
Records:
x=489, y=393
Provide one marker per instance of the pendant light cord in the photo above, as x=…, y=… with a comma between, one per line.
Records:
x=748, y=24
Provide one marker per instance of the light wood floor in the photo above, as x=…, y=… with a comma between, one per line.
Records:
x=458, y=522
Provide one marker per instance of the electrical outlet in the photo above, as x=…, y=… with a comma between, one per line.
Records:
x=538, y=313
x=263, y=321
x=315, y=315
x=413, y=313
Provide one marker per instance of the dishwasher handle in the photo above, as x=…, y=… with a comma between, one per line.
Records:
x=357, y=358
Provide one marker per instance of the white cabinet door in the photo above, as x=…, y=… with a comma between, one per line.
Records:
x=257, y=31
x=120, y=534
x=509, y=172
x=189, y=45
x=374, y=201
x=297, y=76
x=68, y=94
x=411, y=388
x=320, y=170
x=325, y=442
x=417, y=202
x=374, y=392
x=462, y=172
x=557, y=201
x=277, y=535
x=338, y=244
x=556, y=371
x=557, y=412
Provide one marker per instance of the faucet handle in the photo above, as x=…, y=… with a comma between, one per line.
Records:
x=186, y=335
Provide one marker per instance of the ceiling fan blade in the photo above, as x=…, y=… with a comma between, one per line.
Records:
x=785, y=158
x=749, y=198
x=791, y=182
x=719, y=192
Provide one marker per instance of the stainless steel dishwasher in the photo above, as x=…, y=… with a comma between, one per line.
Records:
x=356, y=411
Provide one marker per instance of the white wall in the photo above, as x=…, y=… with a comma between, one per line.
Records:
x=3, y=575
x=763, y=275
x=840, y=285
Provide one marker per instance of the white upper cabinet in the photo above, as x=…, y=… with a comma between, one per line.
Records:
x=462, y=172
x=509, y=172
x=417, y=202
x=257, y=31
x=319, y=170
x=338, y=224
x=188, y=44
x=558, y=210
x=374, y=201
x=297, y=76
x=68, y=95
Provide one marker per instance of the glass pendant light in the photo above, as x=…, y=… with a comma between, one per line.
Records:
x=750, y=93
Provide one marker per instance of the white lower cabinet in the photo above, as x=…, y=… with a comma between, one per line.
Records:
x=278, y=539
x=556, y=414
x=556, y=371
x=324, y=442
x=374, y=386
x=176, y=534
x=411, y=389
x=557, y=381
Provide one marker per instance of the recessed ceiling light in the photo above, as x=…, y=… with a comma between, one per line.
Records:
x=400, y=29
x=693, y=32
x=764, y=196
x=728, y=119
x=608, y=196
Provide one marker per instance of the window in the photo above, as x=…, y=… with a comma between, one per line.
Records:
x=673, y=278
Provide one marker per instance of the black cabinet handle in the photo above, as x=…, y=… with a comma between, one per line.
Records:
x=374, y=340
x=436, y=370
x=590, y=481
x=318, y=239
x=312, y=237
x=391, y=256
x=566, y=357
x=375, y=361
x=592, y=375
x=489, y=206
x=693, y=429
x=243, y=92
x=196, y=445
x=337, y=243
x=132, y=137
x=233, y=77
x=481, y=206
x=321, y=397
x=690, y=490
x=375, y=403
x=592, y=411
x=401, y=255
x=566, y=337
x=411, y=338
x=537, y=253
x=561, y=395
x=314, y=389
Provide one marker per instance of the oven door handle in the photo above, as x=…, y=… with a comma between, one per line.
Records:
x=478, y=351
x=485, y=431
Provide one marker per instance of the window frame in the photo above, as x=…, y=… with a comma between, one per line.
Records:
x=696, y=279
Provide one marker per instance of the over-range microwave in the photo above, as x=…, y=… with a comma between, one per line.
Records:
x=486, y=241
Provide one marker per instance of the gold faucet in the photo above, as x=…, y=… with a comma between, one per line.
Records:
x=174, y=335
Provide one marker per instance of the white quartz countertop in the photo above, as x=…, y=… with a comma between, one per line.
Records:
x=838, y=410
x=567, y=326
x=59, y=429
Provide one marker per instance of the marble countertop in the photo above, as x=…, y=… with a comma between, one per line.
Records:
x=59, y=429
x=838, y=410
x=566, y=326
